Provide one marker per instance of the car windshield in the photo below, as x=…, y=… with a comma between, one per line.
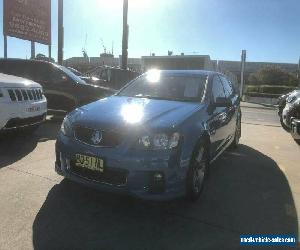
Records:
x=72, y=75
x=167, y=87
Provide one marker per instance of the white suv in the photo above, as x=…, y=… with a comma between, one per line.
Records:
x=22, y=103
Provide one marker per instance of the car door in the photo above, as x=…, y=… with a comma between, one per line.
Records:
x=58, y=88
x=232, y=110
x=218, y=117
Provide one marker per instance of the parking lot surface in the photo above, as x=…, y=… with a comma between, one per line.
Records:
x=252, y=190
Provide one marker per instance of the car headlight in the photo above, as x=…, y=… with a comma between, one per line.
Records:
x=159, y=141
x=66, y=127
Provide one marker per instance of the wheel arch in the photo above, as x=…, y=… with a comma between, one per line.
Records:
x=191, y=148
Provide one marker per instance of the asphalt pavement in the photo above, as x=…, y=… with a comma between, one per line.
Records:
x=254, y=189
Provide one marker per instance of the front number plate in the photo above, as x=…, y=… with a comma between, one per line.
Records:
x=33, y=109
x=89, y=162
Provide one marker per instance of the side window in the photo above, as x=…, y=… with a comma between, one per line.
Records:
x=227, y=86
x=217, y=88
x=57, y=76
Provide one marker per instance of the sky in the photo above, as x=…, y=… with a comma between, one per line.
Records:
x=268, y=29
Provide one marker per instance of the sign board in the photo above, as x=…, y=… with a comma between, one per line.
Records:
x=28, y=20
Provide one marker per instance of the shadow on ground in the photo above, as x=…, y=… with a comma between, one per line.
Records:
x=16, y=145
x=246, y=193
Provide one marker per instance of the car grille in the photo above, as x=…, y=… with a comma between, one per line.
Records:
x=108, y=138
x=18, y=95
x=18, y=122
x=116, y=177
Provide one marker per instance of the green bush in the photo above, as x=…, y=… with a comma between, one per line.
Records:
x=272, y=75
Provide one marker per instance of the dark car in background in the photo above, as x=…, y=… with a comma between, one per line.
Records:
x=155, y=138
x=112, y=77
x=62, y=88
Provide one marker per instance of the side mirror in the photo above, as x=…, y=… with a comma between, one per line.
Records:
x=222, y=102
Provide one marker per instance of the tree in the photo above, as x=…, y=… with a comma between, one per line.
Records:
x=272, y=75
x=42, y=57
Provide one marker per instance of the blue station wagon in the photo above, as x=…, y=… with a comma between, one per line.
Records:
x=155, y=138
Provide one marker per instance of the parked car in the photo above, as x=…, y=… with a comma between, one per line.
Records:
x=289, y=113
x=155, y=138
x=63, y=89
x=112, y=77
x=22, y=104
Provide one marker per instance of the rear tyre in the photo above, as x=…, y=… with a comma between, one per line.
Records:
x=197, y=173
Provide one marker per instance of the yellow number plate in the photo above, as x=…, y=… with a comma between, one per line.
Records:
x=89, y=162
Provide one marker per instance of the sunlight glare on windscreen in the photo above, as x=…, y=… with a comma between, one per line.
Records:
x=153, y=76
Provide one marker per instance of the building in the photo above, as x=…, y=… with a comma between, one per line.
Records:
x=188, y=62
x=177, y=62
x=86, y=63
x=230, y=68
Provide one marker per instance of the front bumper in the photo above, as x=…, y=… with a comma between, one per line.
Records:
x=22, y=114
x=141, y=170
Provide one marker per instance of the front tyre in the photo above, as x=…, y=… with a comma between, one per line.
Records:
x=237, y=135
x=197, y=172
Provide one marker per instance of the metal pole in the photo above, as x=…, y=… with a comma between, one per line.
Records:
x=243, y=61
x=60, y=31
x=49, y=52
x=125, y=35
x=5, y=46
x=32, y=50
x=4, y=28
